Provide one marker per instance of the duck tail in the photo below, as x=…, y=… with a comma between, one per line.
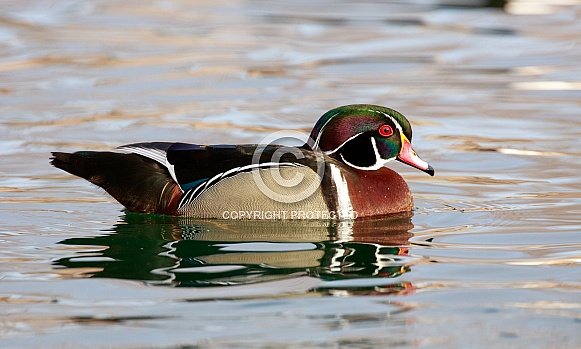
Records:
x=137, y=182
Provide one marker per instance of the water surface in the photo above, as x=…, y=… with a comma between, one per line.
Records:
x=489, y=257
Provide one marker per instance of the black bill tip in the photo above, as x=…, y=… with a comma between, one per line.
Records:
x=430, y=170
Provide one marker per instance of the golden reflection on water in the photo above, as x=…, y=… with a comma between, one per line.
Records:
x=532, y=7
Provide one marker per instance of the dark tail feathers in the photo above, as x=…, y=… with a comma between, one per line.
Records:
x=138, y=183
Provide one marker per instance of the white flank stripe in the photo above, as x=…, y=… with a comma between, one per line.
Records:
x=344, y=206
x=194, y=192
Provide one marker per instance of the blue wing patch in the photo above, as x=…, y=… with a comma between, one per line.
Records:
x=190, y=185
x=185, y=146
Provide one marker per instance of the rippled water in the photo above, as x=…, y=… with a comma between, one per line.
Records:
x=489, y=258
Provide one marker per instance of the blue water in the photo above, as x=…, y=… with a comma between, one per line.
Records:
x=488, y=258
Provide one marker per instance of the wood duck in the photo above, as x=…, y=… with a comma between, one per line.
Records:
x=338, y=173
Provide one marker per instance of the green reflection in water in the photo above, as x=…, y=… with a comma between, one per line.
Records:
x=198, y=253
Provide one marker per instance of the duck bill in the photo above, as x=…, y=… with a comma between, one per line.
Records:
x=407, y=155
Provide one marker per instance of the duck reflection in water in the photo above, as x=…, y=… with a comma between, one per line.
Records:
x=199, y=253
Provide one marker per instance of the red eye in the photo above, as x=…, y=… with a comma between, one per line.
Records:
x=385, y=130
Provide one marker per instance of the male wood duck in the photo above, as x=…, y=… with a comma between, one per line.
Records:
x=338, y=173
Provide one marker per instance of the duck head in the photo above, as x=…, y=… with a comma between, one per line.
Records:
x=366, y=137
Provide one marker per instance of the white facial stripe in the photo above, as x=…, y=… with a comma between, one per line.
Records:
x=316, y=144
x=375, y=166
x=329, y=152
x=378, y=158
x=379, y=161
x=397, y=125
